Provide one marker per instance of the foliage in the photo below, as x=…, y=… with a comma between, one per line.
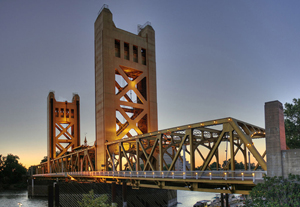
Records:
x=238, y=166
x=276, y=191
x=213, y=166
x=11, y=170
x=90, y=200
x=292, y=123
x=44, y=159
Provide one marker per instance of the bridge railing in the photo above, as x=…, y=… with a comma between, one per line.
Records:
x=208, y=175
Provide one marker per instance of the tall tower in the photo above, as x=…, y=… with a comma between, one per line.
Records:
x=125, y=83
x=63, y=126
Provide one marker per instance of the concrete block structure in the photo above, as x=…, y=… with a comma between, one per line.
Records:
x=280, y=160
x=125, y=83
x=63, y=126
x=275, y=137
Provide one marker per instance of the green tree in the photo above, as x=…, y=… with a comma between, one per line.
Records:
x=90, y=200
x=213, y=166
x=12, y=171
x=44, y=159
x=276, y=191
x=292, y=123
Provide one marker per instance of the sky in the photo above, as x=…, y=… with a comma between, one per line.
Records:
x=214, y=59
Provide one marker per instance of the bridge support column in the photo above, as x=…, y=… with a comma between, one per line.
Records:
x=226, y=199
x=57, y=195
x=275, y=137
x=222, y=200
x=113, y=192
x=50, y=195
x=124, y=194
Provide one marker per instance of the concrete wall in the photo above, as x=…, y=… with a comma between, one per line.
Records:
x=291, y=162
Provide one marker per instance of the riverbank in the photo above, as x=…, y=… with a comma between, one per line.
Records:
x=15, y=186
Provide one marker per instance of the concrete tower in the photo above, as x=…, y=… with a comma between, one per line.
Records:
x=125, y=83
x=63, y=126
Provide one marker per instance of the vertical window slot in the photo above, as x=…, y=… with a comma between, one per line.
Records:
x=56, y=112
x=143, y=51
x=117, y=48
x=67, y=113
x=62, y=112
x=72, y=113
x=135, y=54
x=126, y=51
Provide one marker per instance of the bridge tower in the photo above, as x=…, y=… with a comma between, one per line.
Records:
x=125, y=83
x=63, y=126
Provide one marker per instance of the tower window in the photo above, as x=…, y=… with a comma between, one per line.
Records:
x=117, y=48
x=67, y=113
x=135, y=54
x=72, y=113
x=62, y=112
x=56, y=112
x=126, y=51
x=143, y=51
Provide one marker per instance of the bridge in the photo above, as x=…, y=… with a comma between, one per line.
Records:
x=179, y=143
x=130, y=149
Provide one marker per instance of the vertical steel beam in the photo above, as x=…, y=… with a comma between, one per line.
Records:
x=120, y=158
x=192, y=149
x=232, y=159
x=161, y=155
x=137, y=162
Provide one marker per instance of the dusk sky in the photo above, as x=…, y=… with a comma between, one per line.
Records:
x=214, y=59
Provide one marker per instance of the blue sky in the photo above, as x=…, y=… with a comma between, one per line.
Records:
x=214, y=59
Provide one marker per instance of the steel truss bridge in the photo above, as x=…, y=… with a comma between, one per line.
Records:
x=149, y=160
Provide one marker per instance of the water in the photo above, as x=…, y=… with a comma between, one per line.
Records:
x=12, y=198
x=189, y=198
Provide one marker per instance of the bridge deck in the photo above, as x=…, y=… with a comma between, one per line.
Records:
x=209, y=181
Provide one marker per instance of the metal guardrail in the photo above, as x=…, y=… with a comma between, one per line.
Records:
x=208, y=175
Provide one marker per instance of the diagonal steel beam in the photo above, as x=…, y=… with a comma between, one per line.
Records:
x=151, y=153
x=247, y=141
x=178, y=152
x=125, y=155
x=212, y=152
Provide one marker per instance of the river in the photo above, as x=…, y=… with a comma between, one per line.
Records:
x=12, y=198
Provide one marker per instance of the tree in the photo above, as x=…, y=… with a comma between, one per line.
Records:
x=292, y=123
x=276, y=191
x=90, y=200
x=213, y=166
x=44, y=159
x=11, y=170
